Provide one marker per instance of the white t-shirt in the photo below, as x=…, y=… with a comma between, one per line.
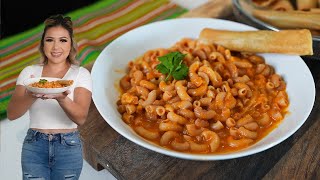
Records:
x=48, y=114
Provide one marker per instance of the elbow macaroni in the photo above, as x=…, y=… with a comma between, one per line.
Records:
x=228, y=101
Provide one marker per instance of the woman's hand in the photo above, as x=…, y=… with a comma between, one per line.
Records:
x=58, y=97
x=30, y=94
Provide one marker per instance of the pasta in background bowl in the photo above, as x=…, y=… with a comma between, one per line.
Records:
x=243, y=11
x=111, y=64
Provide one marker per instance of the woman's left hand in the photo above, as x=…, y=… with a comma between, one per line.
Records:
x=58, y=97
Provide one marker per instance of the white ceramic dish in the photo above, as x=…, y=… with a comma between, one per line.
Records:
x=164, y=34
x=29, y=81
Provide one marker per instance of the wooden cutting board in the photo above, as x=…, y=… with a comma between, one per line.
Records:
x=213, y=9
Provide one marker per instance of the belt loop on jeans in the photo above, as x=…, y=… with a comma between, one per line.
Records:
x=35, y=133
x=61, y=138
x=50, y=137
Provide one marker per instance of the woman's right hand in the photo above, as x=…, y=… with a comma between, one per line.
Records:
x=29, y=93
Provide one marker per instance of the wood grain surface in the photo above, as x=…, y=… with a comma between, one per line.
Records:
x=213, y=9
x=298, y=157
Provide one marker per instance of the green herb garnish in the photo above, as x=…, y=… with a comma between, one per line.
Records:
x=172, y=65
x=42, y=81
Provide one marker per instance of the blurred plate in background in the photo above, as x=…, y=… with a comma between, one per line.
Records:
x=242, y=10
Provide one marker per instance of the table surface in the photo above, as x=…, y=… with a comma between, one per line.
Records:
x=298, y=157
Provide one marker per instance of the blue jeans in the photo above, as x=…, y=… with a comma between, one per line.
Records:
x=51, y=156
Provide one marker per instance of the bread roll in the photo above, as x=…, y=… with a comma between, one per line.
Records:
x=289, y=19
x=305, y=5
x=282, y=5
x=262, y=3
x=296, y=42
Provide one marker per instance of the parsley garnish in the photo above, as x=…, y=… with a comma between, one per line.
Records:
x=171, y=65
x=42, y=81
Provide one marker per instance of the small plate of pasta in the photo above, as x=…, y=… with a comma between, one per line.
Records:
x=163, y=88
x=47, y=85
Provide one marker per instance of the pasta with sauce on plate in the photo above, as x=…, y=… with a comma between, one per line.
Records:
x=228, y=101
x=43, y=83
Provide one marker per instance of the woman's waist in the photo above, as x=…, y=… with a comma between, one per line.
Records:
x=52, y=124
x=69, y=138
x=55, y=131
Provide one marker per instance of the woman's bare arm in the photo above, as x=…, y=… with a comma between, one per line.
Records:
x=76, y=110
x=20, y=103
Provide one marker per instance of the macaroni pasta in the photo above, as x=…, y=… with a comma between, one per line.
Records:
x=51, y=84
x=229, y=100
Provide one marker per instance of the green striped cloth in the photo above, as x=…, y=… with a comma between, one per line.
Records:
x=95, y=26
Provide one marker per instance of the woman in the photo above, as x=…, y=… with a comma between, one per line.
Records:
x=52, y=148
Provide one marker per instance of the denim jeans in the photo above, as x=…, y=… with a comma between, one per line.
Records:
x=51, y=156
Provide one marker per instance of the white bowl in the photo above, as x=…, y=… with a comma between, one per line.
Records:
x=36, y=90
x=114, y=58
